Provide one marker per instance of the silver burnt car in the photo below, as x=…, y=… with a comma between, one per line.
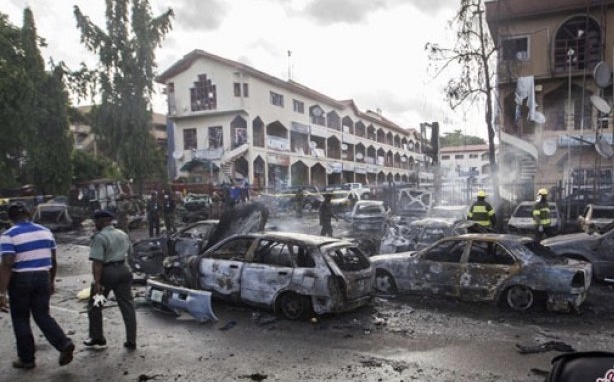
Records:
x=487, y=267
x=293, y=274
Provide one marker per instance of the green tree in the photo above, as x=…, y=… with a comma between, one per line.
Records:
x=125, y=76
x=474, y=51
x=86, y=166
x=49, y=146
x=15, y=97
x=457, y=138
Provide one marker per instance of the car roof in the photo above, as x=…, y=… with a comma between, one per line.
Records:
x=293, y=236
x=600, y=207
x=496, y=237
x=370, y=203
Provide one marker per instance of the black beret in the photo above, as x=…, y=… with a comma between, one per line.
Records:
x=103, y=214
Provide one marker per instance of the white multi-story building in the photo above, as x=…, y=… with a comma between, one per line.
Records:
x=464, y=161
x=232, y=120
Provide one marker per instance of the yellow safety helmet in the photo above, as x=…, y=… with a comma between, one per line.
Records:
x=481, y=194
x=542, y=191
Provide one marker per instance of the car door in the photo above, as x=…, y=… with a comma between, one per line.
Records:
x=269, y=272
x=190, y=241
x=437, y=269
x=220, y=270
x=486, y=267
x=603, y=261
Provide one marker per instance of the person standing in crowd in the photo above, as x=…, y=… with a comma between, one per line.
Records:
x=168, y=204
x=299, y=198
x=326, y=215
x=153, y=214
x=27, y=272
x=541, y=215
x=482, y=213
x=123, y=209
x=108, y=251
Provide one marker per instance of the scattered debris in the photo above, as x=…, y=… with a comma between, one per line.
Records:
x=229, y=325
x=545, y=347
x=145, y=377
x=255, y=376
x=540, y=372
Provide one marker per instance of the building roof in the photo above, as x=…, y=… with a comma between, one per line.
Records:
x=187, y=61
x=464, y=148
x=510, y=9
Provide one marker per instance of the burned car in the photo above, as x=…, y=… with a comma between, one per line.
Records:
x=291, y=273
x=369, y=219
x=596, y=217
x=424, y=232
x=594, y=247
x=521, y=222
x=57, y=216
x=165, y=255
x=149, y=254
x=487, y=267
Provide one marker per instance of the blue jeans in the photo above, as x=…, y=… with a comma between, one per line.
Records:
x=29, y=293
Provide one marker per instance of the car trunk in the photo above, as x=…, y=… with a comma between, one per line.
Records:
x=353, y=270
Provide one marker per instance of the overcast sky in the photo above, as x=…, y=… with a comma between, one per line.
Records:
x=371, y=51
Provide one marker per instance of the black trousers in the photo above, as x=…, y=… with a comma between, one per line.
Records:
x=116, y=278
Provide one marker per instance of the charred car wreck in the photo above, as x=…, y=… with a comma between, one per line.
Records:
x=487, y=267
x=293, y=274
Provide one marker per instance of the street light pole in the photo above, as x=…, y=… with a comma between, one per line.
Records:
x=570, y=54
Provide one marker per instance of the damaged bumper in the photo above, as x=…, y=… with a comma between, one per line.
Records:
x=565, y=302
x=167, y=297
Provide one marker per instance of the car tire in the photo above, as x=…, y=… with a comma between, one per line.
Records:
x=519, y=298
x=384, y=283
x=293, y=305
x=175, y=276
x=365, y=196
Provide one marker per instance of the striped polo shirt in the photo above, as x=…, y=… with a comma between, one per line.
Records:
x=31, y=244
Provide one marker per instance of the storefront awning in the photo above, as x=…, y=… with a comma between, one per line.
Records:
x=204, y=163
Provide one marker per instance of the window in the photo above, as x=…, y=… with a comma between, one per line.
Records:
x=473, y=156
x=515, y=49
x=349, y=258
x=216, y=137
x=273, y=253
x=237, y=89
x=189, y=139
x=445, y=157
x=233, y=250
x=459, y=156
x=203, y=94
x=449, y=251
x=484, y=252
x=277, y=99
x=580, y=36
x=298, y=106
x=316, y=115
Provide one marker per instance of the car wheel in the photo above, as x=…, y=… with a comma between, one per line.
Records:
x=175, y=276
x=384, y=283
x=519, y=298
x=294, y=306
x=365, y=196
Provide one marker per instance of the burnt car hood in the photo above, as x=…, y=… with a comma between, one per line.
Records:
x=570, y=238
x=239, y=220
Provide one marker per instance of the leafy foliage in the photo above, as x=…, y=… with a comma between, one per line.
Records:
x=124, y=81
x=86, y=166
x=16, y=92
x=457, y=138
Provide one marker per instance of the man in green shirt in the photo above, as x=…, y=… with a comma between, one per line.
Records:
x=108, y=251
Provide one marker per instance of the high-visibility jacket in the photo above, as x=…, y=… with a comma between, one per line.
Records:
x=541, y=213
x=482, y=213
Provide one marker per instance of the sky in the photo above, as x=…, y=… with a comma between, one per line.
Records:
x=371, y=51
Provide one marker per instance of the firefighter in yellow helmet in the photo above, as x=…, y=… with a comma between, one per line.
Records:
x=541, y=215
x=482, y=212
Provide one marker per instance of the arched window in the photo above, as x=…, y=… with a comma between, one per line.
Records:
x=577, y=41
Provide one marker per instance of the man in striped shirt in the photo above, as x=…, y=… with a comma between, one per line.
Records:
x=27, y=272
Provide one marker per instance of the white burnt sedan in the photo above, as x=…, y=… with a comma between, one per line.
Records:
x=293, y=274
x=487, y=267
